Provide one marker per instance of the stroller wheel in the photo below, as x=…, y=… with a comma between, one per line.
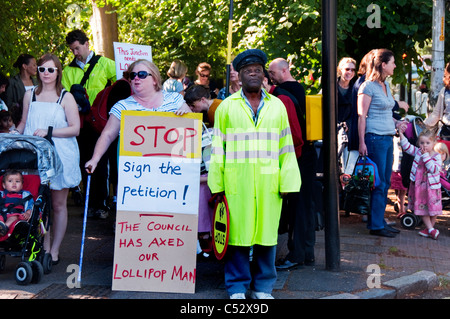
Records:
x=409, y=221
x=2, y=262
x=47, y=263
x=38, y=271
x=24, y=273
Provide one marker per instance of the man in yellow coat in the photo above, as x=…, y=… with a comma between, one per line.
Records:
x=254, y=164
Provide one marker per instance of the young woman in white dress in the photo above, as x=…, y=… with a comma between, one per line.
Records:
x=49, y=104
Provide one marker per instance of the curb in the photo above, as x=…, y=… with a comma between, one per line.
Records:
x=417, y=283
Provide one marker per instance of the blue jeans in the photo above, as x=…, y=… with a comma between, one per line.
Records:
x=380, y=150
x=241, y=274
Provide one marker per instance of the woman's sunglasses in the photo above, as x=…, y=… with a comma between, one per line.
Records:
x=141, y=74
x=42, y=69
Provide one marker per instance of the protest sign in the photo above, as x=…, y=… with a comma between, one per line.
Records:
x=157, y=206
x=127, y=53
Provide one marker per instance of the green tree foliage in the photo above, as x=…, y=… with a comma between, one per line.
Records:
x=33, y=27
x=196, y=31
x=404, y=27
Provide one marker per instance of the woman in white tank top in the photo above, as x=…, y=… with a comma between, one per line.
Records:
x=50, y=105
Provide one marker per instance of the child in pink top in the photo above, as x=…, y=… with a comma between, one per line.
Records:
x=424, y=196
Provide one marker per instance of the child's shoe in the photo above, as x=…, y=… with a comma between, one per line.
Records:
x=424, y=233
x=3, y=229
x=434, y=233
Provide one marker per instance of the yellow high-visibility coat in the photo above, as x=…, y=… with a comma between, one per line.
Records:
x=253, y=164
x=103, y=71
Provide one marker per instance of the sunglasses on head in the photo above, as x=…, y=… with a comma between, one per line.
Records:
x=141, y=74
x=42, y=69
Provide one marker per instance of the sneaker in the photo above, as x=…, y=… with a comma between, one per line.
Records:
x=424, y=233
x=434, y=234
x=238, y=295
x=260, y=295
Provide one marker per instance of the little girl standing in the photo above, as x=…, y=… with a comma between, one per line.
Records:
x=424, y=196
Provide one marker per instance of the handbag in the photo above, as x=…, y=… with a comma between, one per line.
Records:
x=358, y=191
x=368, y=168
x=79, y=92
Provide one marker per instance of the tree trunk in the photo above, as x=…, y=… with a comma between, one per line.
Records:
x=104, y=29
x=438, y=63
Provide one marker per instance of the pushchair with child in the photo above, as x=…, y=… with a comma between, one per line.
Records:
x=415, y=127
x=411, y=221
x=37, y=160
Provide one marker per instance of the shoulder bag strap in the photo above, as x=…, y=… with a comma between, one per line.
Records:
x=33, y=95
x=63, y=92
x=92, y=63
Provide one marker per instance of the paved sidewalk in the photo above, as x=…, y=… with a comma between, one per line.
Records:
x=399, y=260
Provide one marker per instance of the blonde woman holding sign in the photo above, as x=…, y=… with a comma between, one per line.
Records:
x=147, y=96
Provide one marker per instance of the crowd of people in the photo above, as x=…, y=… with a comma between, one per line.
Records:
x=280, y=191
x=377, y=131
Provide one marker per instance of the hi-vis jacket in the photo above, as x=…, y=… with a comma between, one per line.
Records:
x=253, y=164
x=103, y=71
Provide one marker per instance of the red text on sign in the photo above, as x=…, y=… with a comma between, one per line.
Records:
x=169, y=136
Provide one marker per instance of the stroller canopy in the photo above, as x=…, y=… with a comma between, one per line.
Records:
x=46, y=161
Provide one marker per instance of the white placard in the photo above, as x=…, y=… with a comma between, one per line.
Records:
x=158, y=200
x=127, y=53
x=158, y=184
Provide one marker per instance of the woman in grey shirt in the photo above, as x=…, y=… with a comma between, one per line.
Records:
x=376, y=128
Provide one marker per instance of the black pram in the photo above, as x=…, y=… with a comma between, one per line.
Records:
x=37, y=160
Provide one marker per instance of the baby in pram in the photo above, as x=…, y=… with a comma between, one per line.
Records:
x=15, y=203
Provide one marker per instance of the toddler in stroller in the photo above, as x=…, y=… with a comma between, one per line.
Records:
x=15, y=203
x=36, y=160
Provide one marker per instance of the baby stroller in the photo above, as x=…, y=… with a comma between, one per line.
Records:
x=37, y=160
x=411, y=221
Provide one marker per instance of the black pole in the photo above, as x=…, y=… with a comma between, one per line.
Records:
x=329, y=80
x=230, y=32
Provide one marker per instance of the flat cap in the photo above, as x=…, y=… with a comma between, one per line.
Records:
x=250, y=56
